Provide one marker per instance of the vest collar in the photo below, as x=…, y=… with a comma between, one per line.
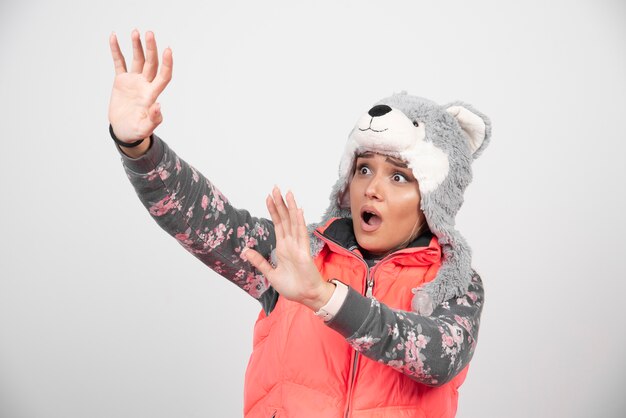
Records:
x=340, y=231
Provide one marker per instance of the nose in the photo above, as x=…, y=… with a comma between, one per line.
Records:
x=379, y=110
x=372, y=190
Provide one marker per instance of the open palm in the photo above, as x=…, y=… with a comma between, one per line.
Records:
x=295, y=275
x=133, y=110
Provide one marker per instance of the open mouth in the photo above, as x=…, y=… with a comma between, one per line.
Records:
x=370, y=220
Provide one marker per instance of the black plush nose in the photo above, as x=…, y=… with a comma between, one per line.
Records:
x=379, y=110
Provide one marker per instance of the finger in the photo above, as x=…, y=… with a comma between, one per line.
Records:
x=303, y=232
x=292, y=207
x=152, y=57
x=138, y=57
x=278, y=227
x=258, y=261
x=282, y=210
x=165, y=74
x=116, y=53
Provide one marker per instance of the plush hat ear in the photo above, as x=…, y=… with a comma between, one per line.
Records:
x=475, y=126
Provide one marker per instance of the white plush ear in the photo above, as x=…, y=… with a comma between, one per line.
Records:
x=473, y=125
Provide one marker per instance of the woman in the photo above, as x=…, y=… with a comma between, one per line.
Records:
x=341, y=332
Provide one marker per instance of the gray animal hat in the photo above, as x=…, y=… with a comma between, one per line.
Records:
x=439, y=144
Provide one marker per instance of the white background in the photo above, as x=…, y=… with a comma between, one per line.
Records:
x=104, y=315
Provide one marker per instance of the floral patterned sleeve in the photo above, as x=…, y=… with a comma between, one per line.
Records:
x=431, y=350
x=193, y=211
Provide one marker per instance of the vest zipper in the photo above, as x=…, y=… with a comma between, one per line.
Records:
x=369, y=290
x=355, y=364
x=370, y=284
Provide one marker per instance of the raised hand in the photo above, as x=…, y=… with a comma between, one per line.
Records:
x=133, y=110
x=295, y=276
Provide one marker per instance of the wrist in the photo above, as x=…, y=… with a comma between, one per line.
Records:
x=328, y=311
x=138, y=151
x=321, y=297
x=134, y=149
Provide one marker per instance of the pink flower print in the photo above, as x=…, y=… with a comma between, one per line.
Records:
x=410, y=349
x=260, y=231
x=456, y=333
x=364, y=343
x=184, y=239
x=190, y=212
x=462, y=301
x=421, y=341
x=218, y=200
x=205, y=202
x=473, y=296
x=239, y=275
x=194, y=175
x=256, y=285
x=216, y=236
x=183, y=236
x=463, y=322
x=413, y=359
x=221, y=196
x=218, y=267
x=448, y=340
x=178, y=167
x=240, y=231
x=219, y=231
x=394, y=332
x=217, y=203
x=163, y=206
x=396, y=364
x=152, y=174
x=158, y=171
x=473, y=344
x=250, y=242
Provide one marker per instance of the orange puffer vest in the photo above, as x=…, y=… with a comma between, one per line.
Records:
x=301, y=368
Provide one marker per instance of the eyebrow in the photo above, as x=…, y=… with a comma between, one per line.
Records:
x=391, y=160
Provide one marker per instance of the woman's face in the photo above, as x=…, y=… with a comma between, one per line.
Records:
x=384, y=202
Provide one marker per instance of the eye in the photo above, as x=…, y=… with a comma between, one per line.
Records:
x=363, y=169
x=399, y=178
x=416, y=124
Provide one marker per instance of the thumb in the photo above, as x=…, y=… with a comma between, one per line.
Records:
x=155, y=115
x=257, y=260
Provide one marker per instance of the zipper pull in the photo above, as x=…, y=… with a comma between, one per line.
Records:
x=370, y=286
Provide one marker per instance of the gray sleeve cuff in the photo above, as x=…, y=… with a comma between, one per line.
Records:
x=352, y=314
x=149, y=160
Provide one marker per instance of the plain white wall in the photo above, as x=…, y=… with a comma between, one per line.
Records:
x=103, y=315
